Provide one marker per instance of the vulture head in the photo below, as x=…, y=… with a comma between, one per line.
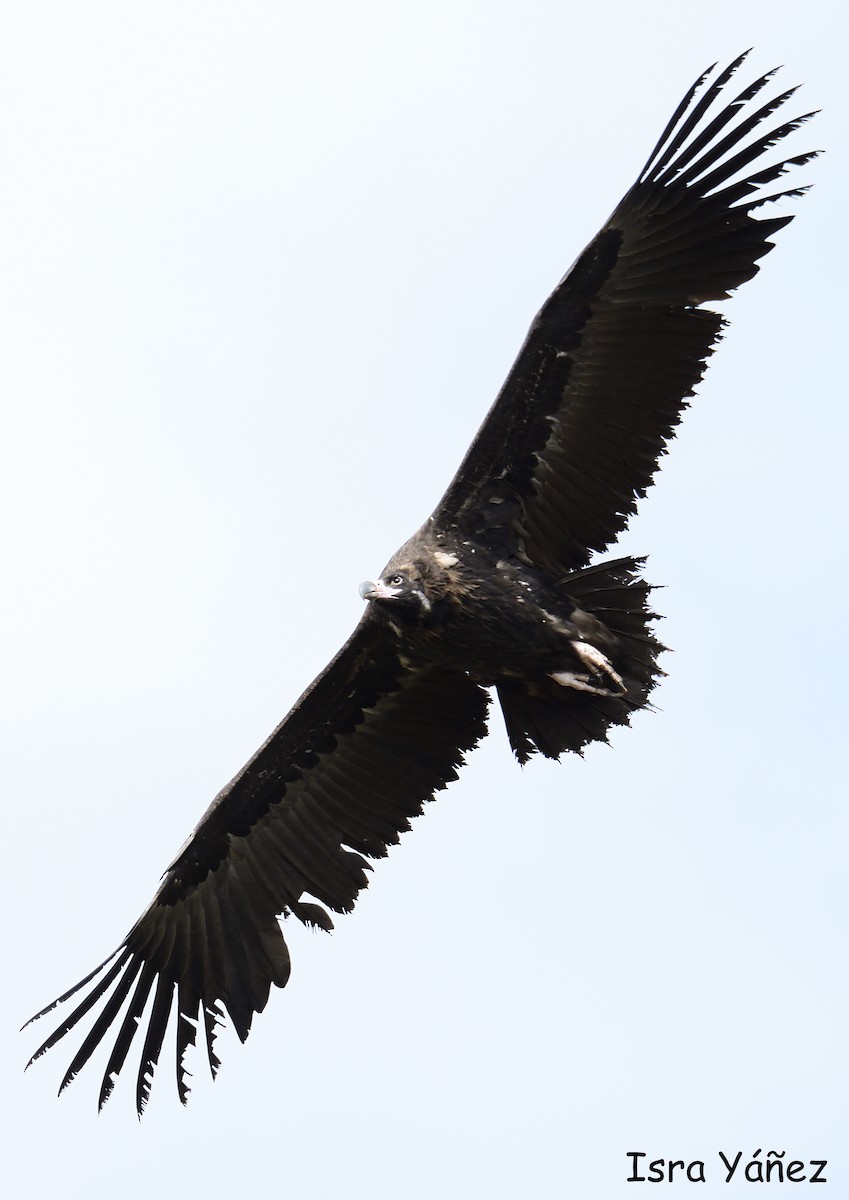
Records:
x=412, y=582
x=401, y=590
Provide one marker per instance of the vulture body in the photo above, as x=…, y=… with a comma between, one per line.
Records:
x=496, y=591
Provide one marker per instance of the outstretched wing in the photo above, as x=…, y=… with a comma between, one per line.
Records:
x=363, y=749
x=575, y=435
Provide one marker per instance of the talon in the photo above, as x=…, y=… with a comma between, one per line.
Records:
x=581, y=683
x=599, y=665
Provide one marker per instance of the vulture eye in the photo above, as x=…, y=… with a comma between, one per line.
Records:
x=395, y=580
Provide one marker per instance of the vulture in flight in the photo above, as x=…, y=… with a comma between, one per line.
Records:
x=496, y=593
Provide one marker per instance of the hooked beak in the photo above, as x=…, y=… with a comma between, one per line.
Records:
x=377, y=591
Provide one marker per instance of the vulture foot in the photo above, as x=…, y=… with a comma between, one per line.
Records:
x=600, y=670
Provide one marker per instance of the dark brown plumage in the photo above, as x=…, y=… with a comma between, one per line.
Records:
x=495, y=591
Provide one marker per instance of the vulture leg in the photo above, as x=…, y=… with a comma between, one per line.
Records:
x=600, y=668
x=580, y=683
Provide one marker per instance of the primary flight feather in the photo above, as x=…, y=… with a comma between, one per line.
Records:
x=495, y=591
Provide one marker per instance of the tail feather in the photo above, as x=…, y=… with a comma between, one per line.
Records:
x=544, y=717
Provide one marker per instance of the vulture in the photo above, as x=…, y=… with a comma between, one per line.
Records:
x=495, y=597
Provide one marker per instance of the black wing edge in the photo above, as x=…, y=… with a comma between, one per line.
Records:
x=663, y=167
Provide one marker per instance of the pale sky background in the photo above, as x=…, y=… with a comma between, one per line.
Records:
x=265, y=266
